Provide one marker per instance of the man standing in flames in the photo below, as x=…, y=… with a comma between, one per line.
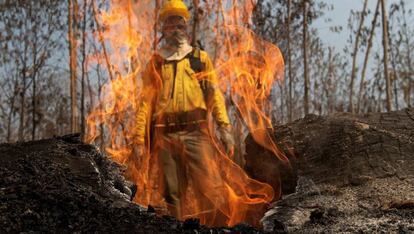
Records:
x=180, y=89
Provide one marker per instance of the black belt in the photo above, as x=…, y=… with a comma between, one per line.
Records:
x=183, y=127
x=189, y=120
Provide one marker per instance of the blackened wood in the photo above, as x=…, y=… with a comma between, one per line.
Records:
x=355, y=172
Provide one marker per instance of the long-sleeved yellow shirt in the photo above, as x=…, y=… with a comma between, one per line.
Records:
x=177, y=89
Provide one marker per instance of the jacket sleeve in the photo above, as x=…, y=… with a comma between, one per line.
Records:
x=215, y=98
x=143, y=117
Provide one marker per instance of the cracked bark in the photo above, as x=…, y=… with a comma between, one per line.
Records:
x=341, y=163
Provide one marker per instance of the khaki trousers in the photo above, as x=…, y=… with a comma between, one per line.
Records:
x=185, y=156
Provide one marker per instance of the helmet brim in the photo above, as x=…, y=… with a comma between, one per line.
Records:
x=175, y=12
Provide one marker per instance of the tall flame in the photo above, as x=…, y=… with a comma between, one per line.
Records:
x=247, y=67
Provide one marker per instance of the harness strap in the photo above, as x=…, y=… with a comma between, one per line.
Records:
x=195, y=61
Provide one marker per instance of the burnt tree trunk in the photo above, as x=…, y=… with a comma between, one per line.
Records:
x=349, y=173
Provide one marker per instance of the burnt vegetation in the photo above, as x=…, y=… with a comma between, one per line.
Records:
x=349, y=174
x=63, y=185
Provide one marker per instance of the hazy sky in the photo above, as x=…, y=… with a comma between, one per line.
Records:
x=339, y=16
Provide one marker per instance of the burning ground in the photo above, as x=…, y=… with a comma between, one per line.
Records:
x=350, y=174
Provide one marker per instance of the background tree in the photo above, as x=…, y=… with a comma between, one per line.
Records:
x=367, y=55
x=32, y=32
x=305, y=58
x=289, y=58
x=355, y=55
x=385, y=50
x=72, y=35
x=401, y=35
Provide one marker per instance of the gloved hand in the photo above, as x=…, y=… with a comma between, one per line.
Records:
x=227, y=139
x=137, y=154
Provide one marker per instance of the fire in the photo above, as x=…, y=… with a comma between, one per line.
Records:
x=247, y=67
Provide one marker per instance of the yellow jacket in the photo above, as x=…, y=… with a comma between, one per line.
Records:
x=164, y=93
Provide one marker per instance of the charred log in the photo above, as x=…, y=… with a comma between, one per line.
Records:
x=61, y=185
x=348, y=174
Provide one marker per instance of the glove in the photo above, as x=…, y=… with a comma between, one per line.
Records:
x=227, y=139
x=137, y=155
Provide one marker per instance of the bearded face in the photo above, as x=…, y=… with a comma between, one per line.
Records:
x=174, y=30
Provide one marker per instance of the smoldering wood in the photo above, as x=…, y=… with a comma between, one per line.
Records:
x=349, y=173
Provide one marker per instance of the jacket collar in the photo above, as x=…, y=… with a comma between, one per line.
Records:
x=170, y=53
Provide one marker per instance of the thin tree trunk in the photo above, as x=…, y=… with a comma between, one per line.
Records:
x=410, y=89
x=90, y=91
x=409, y=62
x=101, y=39
x=11, y=110
x=9, y=120
x=282, y=102
x=195, y=23
x=109, y=67
x=217, y=25
x=395, y=88
x=34, y=91
x=410, y=74
x=354, y=58
x=23, y=96
x=133, y=60
x=385, y=50
x=101, y=128
x=23, y=90
x=327, y=88
x=85, y=2
x=22, y=108
x=290, y=112
x=377, y=86
x=72, y=64
x=319, y=83
x=394, y=73
x=156, y=9
x=305, y=58
x=369, y=46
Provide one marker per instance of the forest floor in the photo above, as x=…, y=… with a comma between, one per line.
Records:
x=348, y=174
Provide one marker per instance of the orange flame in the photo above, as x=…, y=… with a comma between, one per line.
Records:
x=247, y=67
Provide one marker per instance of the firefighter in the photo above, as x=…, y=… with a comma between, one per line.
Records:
x=180, y=88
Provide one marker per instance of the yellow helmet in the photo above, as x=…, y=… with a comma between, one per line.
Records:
x=174, y=7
